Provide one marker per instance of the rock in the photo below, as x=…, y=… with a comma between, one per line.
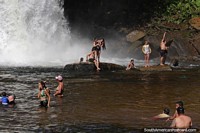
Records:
x=156, y=68
x=175, y=62
x=90, y=67
x=195, y=23
x=173, y=26
x=135, y=35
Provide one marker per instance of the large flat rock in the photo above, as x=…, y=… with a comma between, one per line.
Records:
x=89, y=67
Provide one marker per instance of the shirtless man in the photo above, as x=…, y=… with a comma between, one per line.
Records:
x=181, y=121
x=163, y=50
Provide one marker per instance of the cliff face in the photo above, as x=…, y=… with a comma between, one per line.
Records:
x=111, y=13
x=114, y=19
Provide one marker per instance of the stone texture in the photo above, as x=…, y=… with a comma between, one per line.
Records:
x=135, y=35
x=156, y=68
x=90, y=67
x=195, y=23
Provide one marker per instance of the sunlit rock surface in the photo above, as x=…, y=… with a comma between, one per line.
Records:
x=195, y=22
x=135, y=35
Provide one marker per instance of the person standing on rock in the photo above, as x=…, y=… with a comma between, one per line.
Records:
x=163, y=50
x=146, y=51
x=97, y=45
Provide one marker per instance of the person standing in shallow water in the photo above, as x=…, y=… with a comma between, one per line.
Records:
x=146, y=51
x=163, y=50
x=60, y=87
x=44, y=94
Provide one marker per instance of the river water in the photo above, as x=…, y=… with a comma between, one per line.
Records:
x=96, y=102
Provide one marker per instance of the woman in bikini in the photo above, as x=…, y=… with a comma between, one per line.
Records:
x=44, y=94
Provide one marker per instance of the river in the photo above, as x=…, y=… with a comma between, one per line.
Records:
x=96, y=102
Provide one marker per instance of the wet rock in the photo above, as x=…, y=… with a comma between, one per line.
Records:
x=90, y=67
x=135, y=35
x=195, y=23
x=175, y=62
x=173, y=26
x=156, y=68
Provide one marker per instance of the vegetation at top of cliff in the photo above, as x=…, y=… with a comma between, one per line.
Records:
x=179, y=11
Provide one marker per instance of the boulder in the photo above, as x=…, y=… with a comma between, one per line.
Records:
x=90, y=67
x=135, y=35
x=195, y=23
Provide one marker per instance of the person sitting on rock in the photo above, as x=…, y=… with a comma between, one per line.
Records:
x=130, y=65
x=91, y=59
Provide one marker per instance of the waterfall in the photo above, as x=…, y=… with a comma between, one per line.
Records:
x=33, y=32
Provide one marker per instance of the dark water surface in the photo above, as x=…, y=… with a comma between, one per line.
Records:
x=96, y=102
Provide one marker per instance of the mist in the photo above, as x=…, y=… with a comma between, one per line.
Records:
x=35, y=33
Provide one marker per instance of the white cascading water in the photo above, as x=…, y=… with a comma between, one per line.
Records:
x=34, y=32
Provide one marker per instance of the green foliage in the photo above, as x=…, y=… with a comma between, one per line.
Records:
x=179, y=11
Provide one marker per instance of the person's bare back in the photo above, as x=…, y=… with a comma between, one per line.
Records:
x=181, y=121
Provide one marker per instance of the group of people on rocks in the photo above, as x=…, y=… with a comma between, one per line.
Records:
x=98, y=44
x=146, y=50
x=94, y=55
x=179, y=119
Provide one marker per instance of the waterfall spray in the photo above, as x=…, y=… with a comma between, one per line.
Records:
x=33, y=32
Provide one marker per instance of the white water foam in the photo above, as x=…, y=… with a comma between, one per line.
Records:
x=34, y=32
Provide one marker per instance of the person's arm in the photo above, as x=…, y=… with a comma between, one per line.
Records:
x=164, y=36
x=39, y=94
x=143, y=48
x=58, y=91
x=49, y=98
x=173, y=125
x=87, y=57
x=190, y=124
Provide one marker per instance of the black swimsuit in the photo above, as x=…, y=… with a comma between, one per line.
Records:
x=96, y=48
x=163, y=53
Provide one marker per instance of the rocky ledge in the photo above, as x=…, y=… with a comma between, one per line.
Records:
x=90, y=67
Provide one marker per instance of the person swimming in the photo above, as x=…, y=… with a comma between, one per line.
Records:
x=7, y=99
x=164, y=115
x=4, y=99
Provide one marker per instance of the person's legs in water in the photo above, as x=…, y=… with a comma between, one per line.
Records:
x=43, y=103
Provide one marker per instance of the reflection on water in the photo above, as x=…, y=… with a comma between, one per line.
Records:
x=98, y=102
